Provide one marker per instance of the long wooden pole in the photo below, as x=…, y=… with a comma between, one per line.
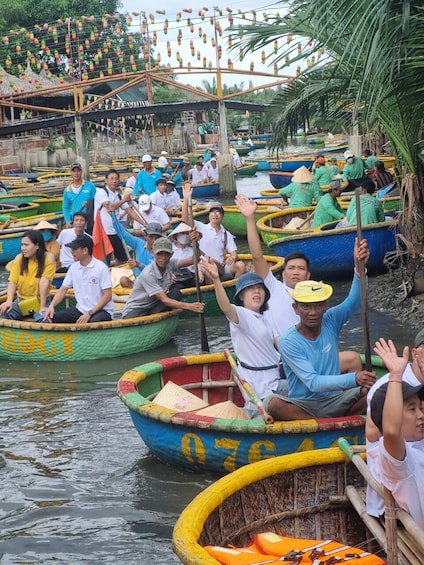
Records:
x=204, y=344
x=363, y=282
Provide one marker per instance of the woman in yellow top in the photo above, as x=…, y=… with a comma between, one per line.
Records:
x=30, y=277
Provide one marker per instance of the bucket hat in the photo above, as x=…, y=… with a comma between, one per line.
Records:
x=311, y=291
x=302, y=175
x=245, y=281
x=162, y=244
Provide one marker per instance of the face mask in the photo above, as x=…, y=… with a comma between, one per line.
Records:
x=47, y=235
x=183, y=238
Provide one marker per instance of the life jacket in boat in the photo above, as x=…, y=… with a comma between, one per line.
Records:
x=269, y=548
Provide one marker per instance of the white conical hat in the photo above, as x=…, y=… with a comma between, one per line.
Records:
x=181, y=228
x=302, y=175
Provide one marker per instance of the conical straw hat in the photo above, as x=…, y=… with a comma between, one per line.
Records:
x=177, y=398
x=302, y=175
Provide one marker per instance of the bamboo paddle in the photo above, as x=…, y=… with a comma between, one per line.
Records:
x=204, y=344
x=363, y=282
x=245, y=386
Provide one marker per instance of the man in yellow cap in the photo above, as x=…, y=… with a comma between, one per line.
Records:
x=310, y=355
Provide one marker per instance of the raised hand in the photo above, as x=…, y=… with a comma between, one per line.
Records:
x=387, y=351
x=246, y=206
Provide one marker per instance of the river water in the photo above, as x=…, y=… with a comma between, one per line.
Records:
x=77, y=484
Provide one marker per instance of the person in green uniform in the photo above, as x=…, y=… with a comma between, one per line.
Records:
x=353, y=169
x=328, y=208
x=333, y=167
x=321, y=172
x=371, y=209
x=302, y=190
x=369, y=159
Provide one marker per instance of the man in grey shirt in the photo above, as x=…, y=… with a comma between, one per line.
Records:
x=153, y=289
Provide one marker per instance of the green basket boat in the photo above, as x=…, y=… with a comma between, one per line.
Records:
x=235, y=222
x=29, y=341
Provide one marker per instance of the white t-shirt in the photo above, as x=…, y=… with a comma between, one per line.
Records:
x=155, y=214
x=88, y=283
x=66, y=236
x=280, y=314
x=375, y=504
x=162, y=162
x=252, y=341
x=198, y=177
x=165, y=200
x=105, y=195
x=131, y=181
x=212, y=172
x=215, y=243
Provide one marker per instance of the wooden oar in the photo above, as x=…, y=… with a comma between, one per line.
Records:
x=204, y=344
x=363, y=282
x=244, y=386
x=306, y=220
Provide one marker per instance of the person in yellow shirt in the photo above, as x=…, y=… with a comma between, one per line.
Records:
x=30, y=277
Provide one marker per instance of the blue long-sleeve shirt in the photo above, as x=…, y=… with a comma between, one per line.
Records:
x=312, y=367
x=142, y=254
x=73, y=202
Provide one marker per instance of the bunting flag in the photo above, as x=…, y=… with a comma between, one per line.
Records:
x=102, y=245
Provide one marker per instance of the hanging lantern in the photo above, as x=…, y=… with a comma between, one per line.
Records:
x=101, y=74
x=252, y=66
x=109, y=67
x=241, y=54
x=155, y=38
x=219, y=51
x=152, y=18
x=298, y=71
x=200, y=32
x=168, y=48
x=287, y=59
x=188, y=21
x=230, y=41
x=210, y=65
x=204, y=62
x=299, y=48
x=263, y=57
x=18, y=49
x=129, y=20
x=230, y=64
x=130, y=41
x=178, y=17
x=159, y=58
x=275, y=46
x=191, y=28
x=189, y=66
x=289, y=38
x=230, y=20
x=192, y=50
x=213, y=42
x=198, y=55
x=55, y=35
x=275, y=69
x=204, y=38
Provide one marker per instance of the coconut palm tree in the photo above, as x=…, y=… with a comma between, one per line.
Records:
x=367, y=74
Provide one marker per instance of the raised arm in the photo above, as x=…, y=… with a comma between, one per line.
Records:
x=248, y=208
x=209, y=268
x=187, y=192
x=394, y=441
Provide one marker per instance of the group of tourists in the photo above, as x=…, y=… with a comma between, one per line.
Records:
x=305, y=189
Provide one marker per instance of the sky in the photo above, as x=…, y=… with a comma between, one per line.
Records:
x=192, y=43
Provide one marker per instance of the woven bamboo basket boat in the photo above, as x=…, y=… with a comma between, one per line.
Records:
x=186, y=436
x=30, y=341
x=330, y=250
x=235, y=222
x=283, y=223
x=300, y=495
x=313, y=495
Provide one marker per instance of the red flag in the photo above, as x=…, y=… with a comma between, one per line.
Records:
x=102, y=245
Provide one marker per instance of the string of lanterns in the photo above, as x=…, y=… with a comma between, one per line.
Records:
x=73, y=44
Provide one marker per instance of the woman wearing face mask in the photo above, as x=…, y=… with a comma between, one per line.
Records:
x=49, y=233
x=181, y=246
